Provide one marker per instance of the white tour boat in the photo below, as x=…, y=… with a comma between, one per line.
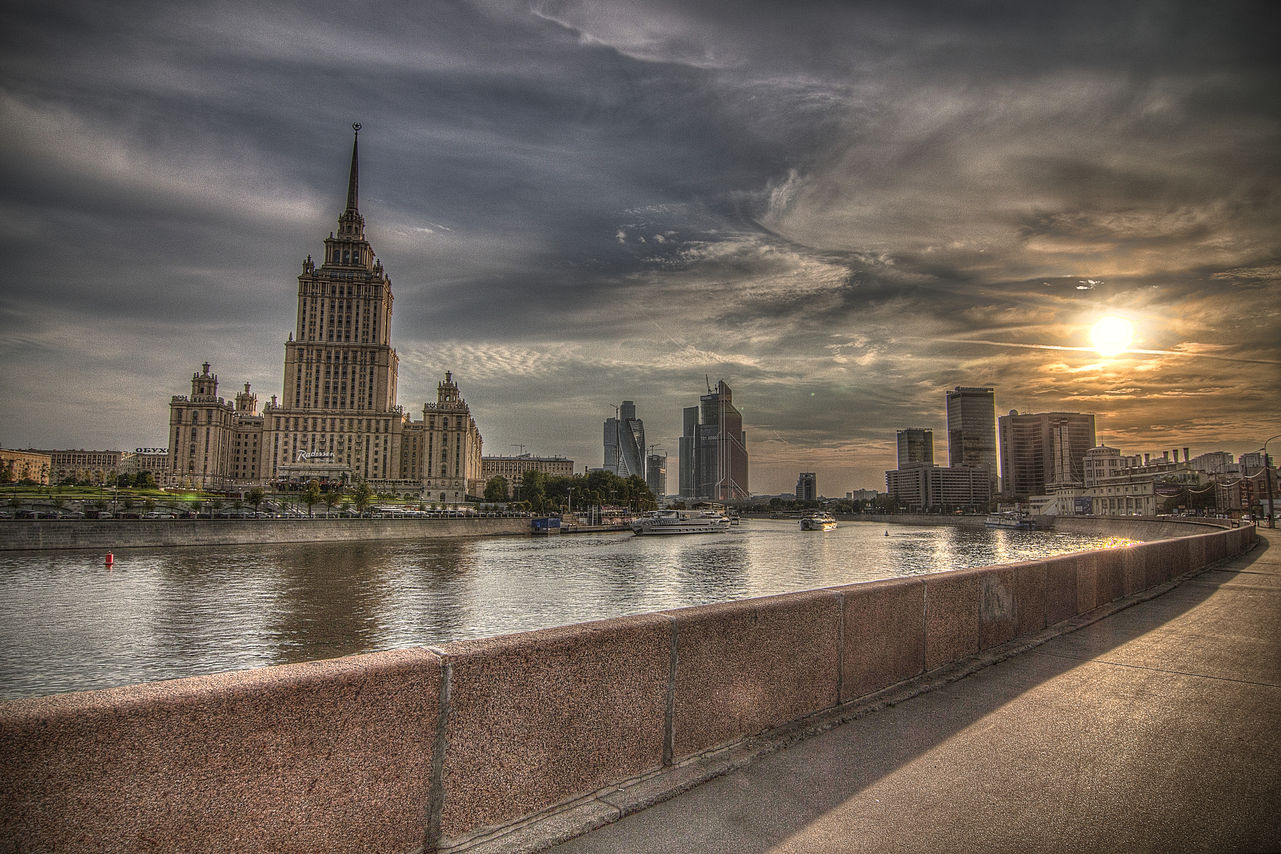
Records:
x=681, y=522
x=1010, y=519
x=818, y=522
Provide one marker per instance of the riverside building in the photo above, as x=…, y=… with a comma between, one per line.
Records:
x=971, y=430
x=807, y=486
x=1044, y=450
x=713, y=449
x=625, y=442
x=656, y=474
x=513, y=468
x=337, y=420
x=915, y=446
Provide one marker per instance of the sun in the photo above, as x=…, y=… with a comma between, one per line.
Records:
x=1111, y=336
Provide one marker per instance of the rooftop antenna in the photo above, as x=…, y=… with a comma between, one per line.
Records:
x=522, y=449
x=707, y=379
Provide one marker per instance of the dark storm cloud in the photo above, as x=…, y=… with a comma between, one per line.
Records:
x=841, y=208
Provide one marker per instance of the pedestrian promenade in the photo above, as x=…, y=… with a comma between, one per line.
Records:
x=1157, y=728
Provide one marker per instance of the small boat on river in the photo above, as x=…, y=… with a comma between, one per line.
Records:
x=1010, y=519
x=818, y=522
x=682, y=522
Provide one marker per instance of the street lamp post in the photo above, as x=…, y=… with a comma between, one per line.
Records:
x=1267, y=480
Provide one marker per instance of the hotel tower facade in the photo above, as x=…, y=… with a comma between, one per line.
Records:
x=336, y=420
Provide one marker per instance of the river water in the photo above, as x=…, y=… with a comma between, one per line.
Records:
x=68, y=623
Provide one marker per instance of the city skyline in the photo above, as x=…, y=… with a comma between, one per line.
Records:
x=843, y=211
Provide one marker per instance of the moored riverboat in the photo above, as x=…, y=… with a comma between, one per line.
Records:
x=682, y=522
x=1010, y=519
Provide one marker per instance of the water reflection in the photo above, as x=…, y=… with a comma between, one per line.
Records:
x=67, y=623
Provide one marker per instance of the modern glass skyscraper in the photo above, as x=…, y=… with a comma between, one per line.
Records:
x=1039, y=450
x=656, y=474
x=971, y=429
x=915, y=446
x=807, y=486
x=625, y=442
x=713, y=449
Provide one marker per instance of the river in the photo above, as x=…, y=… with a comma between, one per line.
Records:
x=69, y=623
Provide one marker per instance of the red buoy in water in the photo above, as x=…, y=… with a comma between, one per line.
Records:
x=111, y=559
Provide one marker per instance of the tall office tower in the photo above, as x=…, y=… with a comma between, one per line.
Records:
x=1042, y=450
x=915, y=447
x=971, y=429
x=687, y=448
x=807, y=486
x=656, y=474
x=713, y=449
x=625, y=442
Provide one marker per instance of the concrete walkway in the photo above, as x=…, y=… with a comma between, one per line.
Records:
x=1157, y=728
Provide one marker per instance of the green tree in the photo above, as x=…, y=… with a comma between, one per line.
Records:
x=496, y=488
x=362, y=496
x=311, y=495
x=255, y=497
x=533, y=488
x=331, y=498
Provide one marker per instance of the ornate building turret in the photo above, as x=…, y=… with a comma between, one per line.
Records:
x=246, y=402
x=200, y=431
x=204, y=385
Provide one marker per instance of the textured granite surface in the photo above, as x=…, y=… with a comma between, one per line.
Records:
x=1087, y=582
x=537, y=717
x=951, y=616
x=326, y=756
x=1064, y=577
x=1134, y=569
x=1029, y=597
x=884, y=635
x=1110, y=572
x=743, y=667
x=997, y=622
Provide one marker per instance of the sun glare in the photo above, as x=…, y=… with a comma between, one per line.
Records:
x=1111, y=336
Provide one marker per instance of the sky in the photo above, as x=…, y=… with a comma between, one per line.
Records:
x=842, y=209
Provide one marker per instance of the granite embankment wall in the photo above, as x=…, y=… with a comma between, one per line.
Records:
x=110, y=534
x=438, y=749
x=1142, y=528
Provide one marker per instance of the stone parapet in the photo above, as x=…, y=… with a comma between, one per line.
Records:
x=480, y=741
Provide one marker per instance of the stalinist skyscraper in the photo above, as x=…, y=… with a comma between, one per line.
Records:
x=340, y=356
x=336, y=420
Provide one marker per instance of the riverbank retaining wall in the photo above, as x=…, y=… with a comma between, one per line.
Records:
x=111, y=534
x=443, y=749
x=1143, y=528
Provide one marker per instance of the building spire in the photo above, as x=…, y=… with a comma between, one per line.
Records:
x=353, y=181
